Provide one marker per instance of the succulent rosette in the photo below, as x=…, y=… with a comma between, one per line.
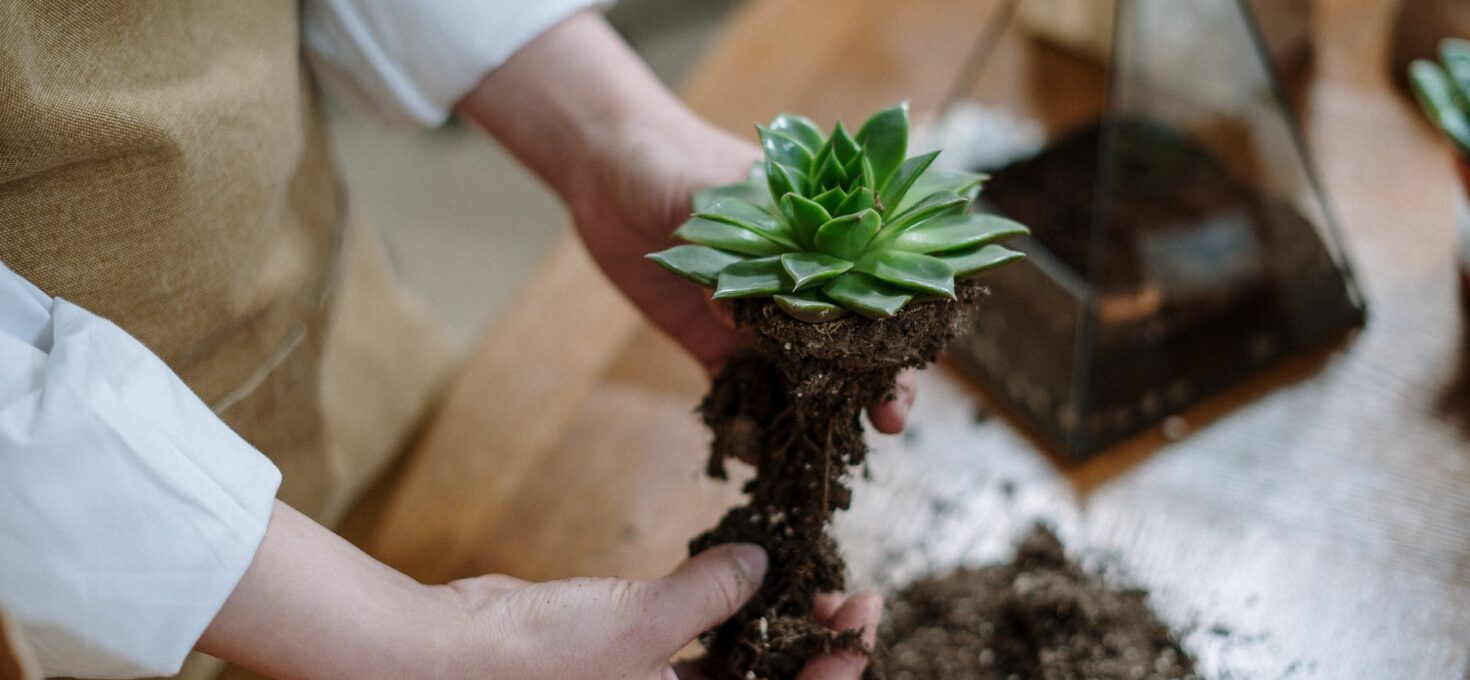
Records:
x=840, y=223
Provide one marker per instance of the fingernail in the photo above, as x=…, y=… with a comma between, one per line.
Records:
x=752, y=560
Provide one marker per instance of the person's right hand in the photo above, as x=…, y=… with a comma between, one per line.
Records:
x=613, y=628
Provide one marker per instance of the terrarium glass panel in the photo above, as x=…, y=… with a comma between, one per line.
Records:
x=1181, y=241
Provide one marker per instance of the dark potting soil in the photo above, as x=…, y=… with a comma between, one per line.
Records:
x=1169, y=275
x=1041, y=617
x=793, y=403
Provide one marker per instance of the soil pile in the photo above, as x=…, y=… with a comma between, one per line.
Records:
x=793, y=402
x=1041, y=617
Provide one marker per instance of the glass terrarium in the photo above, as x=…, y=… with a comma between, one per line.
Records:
x=1180, y=239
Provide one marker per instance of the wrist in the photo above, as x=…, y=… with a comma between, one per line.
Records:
x=559, y=102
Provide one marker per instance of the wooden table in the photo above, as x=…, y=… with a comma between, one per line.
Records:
x=1315, y=523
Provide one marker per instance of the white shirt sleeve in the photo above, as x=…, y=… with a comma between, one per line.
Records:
x=128, y=510
x=413, y=61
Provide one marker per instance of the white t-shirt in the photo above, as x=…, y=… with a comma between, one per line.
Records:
x=128, y=510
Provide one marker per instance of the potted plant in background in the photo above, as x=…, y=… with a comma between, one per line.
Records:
x=851, y=262
x=1444, y=93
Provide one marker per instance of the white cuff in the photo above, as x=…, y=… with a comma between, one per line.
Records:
x=128, y=510
x=413, y=61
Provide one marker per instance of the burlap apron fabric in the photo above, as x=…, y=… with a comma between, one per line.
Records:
x=165, y=165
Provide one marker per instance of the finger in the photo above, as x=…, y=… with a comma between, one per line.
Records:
x=861, y=612
x=891, y=416
x=704, y=591
x=827, y=605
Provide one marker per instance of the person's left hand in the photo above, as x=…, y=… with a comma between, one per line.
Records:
x=635, y=200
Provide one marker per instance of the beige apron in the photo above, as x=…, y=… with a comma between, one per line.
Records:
x=166, y=166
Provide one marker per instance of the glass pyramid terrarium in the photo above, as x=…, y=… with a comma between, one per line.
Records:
x=1181, y=241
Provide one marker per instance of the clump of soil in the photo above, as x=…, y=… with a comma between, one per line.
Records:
x=1039, y=617
x=793, y=403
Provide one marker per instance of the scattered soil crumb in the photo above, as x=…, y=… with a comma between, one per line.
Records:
x=1041, y=617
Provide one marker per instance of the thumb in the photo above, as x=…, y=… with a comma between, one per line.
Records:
x=704, y=591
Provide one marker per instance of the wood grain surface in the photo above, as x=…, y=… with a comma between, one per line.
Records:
x=1314, y=523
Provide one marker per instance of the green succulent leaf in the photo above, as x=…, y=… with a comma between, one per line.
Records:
x=781, y=180
x=866, y=295
x=750, y=278
x=951, y=232
x=736, y=212
x=857, y=201
x=885, y=138
x=784, y=149
x=831, y=199
x=750, y=192
x=976, y=260
x=844, y=147
x=934, y=181
x=848, y=236
x=724, y=236
x=852, y=172
x=801, y=129
x=914, y=271
x=805, y=215
x=806, y=269
x=1455, y=53
x=699, y=264
x=1437, y=97
x=830, y=174
x=810, y=306
x=834, y=224
x=935, y=204
x=898, y=185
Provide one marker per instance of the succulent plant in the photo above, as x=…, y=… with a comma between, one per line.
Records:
x=1444, y=91
x=840, y=223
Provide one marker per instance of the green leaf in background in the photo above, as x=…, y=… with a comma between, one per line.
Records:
x=749, y=278
x=1437, y=97
x=952, y=232
x=810, y=306
x=736, y=212
x=785, y=150
x=913, y=271
x=699, y=264
x=846, y=236
x=885, y=137
x=801, y=129
x=727, y=237
x=866, y=295
x=898, y=185
x=808, y=268
x=973, y=261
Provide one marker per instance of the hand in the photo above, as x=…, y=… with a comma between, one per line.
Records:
x=610, y=628
x=582, y=111
x=313, y=606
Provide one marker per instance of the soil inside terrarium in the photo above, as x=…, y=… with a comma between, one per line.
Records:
x=1168, y=276
x=792, y=403
x=1040, y=617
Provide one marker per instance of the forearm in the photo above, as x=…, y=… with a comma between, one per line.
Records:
x=311, y=605
x=565, y=100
